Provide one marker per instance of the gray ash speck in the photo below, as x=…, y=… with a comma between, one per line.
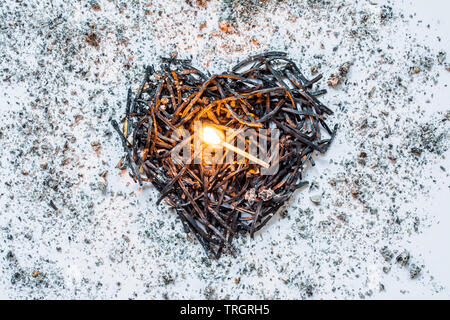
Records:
x=403, y=258
x=386, y=253
x=414, y=271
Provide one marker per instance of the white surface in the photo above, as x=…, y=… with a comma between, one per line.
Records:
x=121, y=237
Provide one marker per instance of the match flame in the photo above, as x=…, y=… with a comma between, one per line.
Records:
x=216, y=138
x=212, y=136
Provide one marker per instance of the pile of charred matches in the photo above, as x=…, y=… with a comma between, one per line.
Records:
x=218, y=189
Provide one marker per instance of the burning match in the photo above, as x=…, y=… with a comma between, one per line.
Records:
x=215, y=138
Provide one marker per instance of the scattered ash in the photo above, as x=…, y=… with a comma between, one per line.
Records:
x=428, y=137
x=73, y=227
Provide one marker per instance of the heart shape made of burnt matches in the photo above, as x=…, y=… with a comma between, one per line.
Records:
x=220, y=190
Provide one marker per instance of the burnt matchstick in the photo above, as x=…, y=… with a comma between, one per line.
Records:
x=218, y=200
